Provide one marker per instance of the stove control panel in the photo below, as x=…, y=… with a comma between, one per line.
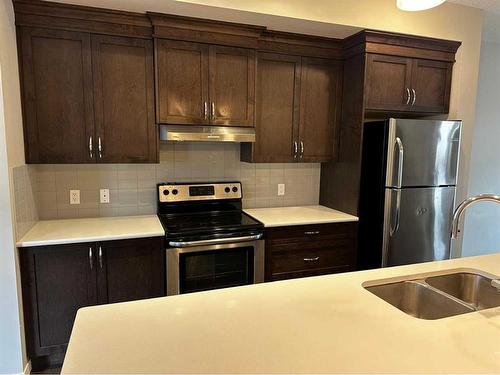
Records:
x=197, y=192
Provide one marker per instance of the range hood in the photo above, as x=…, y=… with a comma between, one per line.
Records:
x=206, y=133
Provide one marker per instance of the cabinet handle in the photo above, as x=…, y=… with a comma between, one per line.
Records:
x=205, y=110
x=315, y=259
x=312, y=232
x=99, y=146
x=408, y=96
x=414, y=97
x=295, y=149
x=90, y=148
x=301, y=150
x=91, y=258
x=100, y=257
x=213, y=110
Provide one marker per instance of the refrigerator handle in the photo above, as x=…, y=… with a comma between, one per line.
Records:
x=398, y=209
x=399, y=143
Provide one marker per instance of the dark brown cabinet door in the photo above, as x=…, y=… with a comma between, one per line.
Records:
x=320, y=106
x=57, y=95
x=130, y=270
x=182, y=82
x=124, y=100
x=431, y=82
x=277, y=112
x=232, y=86
x=57, y=281
x=388, y=83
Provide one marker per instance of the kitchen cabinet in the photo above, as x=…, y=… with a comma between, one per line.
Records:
x=130, y=270
x=277, y=112
x=298, y=109
x=87, y=98
x=388, y=83
x=401, y=84
x=124, y=100
x=57, y=95
x=320, y=109
x=309, y=250
x=58, y=280
x=202, y=84
x=431, y=82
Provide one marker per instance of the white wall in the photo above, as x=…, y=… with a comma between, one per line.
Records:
x=10, y=338
x=12, y=355
x=481, y=234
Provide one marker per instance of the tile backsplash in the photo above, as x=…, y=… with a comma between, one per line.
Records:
x=133, y=186
x=24, y=198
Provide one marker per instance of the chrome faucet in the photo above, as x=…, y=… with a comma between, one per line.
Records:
x=458, y=214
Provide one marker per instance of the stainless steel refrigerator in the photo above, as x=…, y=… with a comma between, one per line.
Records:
x=407, y=195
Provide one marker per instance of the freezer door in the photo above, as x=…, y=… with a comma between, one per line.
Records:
x=417, y=226
x=422, y=153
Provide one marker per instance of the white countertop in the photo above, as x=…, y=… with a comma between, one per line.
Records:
x=57, y=232
x=285, y=216
x=319, y=324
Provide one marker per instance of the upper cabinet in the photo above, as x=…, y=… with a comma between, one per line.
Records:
x=87, y=97
x=96, y=83
x=298, y=101
x=391, y=75
x=58, y=98
x=400, y=84
x=320, y=108
x=204, y=84
x=182, y=82
x=124, y=99
x=231, y=86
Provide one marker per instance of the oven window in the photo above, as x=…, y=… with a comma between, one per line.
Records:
x=215, y=269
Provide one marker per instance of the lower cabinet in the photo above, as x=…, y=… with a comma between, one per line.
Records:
x=310, y=250
x=58, y=280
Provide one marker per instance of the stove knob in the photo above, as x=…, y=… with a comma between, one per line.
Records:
x=166, y=192
x=235, y=189
x=227, y=190
x=175, y=191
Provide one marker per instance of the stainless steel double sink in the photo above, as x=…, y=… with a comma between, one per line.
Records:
x=441, y=296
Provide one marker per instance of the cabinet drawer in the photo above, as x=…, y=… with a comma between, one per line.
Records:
x=317, y=232
x=306, y=257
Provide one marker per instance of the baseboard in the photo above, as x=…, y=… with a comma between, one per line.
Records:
x=27, y=368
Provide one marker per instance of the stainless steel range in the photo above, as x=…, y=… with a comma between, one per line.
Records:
x=211, y=242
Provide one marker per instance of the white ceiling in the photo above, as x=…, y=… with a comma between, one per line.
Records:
x=488, y=5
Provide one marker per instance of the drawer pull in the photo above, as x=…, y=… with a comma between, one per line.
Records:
x=311, y=232
x=315, y=259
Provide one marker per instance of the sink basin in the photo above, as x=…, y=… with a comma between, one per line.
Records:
x=417, y=299
x=440, y=296
x=472, y=288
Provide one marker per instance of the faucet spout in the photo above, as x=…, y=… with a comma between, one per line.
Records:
x=457, y=215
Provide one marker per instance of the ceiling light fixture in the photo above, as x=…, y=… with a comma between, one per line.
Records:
x=414, y=5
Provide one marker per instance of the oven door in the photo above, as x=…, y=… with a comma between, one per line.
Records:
x=213, y=264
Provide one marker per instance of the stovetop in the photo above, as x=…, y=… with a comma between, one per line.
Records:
x=207, y=225
x=195, y=212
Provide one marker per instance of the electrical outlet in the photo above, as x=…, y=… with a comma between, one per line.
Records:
x=281, y=189
x=74, y=197
x=104, y=195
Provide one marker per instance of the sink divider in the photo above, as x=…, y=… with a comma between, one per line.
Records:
x=423, y=283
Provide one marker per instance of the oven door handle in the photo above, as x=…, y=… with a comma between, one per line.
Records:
x=215, y=241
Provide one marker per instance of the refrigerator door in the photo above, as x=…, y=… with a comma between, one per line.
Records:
x=417, y=226
x=422, y=153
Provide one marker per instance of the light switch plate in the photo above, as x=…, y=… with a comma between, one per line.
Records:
x=281, y=189
x=104, y=193
x=74, y=197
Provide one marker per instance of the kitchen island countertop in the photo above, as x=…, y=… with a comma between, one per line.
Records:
x=328, y=324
